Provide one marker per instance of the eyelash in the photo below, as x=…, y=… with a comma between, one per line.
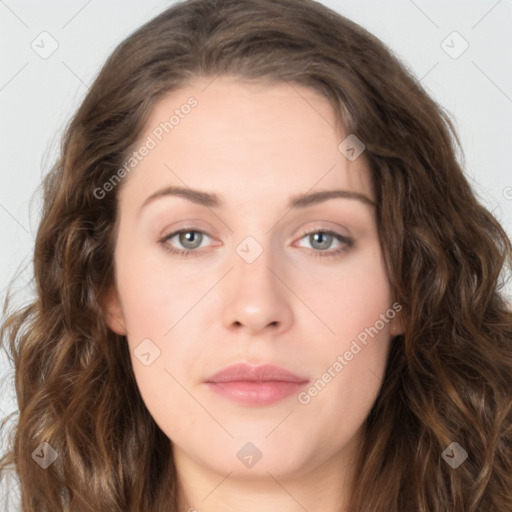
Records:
x=349, y=243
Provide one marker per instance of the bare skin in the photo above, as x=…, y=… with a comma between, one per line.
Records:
x=295, y=305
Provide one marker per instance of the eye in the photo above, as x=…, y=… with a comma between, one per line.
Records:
x=189, y=238
x=322, y=240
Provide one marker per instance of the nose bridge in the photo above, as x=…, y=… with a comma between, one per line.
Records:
x=255, y=296
x=253, y=263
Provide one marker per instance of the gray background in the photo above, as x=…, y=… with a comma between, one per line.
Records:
x=38, y=95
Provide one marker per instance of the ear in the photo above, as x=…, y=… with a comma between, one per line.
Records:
x=113, y=312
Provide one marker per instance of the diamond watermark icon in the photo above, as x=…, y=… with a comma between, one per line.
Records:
x=351, y=147
x=454, y=45
x=249, y=454
x=44, y=45
x=249, y=249
x=45, y=455
x=146, y=352
x=454, y=455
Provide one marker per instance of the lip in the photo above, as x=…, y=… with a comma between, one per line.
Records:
x=255, y=385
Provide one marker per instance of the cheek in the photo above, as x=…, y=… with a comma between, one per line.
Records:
x=153, y=294
x=369, y=294
x=350, y=373
x=349, y=299
x=357, y=307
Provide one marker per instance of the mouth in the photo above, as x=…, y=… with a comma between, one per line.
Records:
x=255, y=385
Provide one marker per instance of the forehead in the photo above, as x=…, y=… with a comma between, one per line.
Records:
x=245, y=140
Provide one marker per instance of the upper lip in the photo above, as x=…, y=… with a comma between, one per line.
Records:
x=263, y=373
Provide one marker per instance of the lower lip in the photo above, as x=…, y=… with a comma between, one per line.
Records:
x=256, y=393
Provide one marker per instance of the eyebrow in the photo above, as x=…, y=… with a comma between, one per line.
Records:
x=298, y=201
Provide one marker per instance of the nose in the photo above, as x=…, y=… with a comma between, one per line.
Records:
x=256, y=296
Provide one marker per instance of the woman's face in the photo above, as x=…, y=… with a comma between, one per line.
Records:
x=263, y=282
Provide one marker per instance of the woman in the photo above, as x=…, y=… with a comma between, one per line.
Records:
x=368, y=370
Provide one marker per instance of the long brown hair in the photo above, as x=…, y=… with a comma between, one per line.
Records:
x=448, y=377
